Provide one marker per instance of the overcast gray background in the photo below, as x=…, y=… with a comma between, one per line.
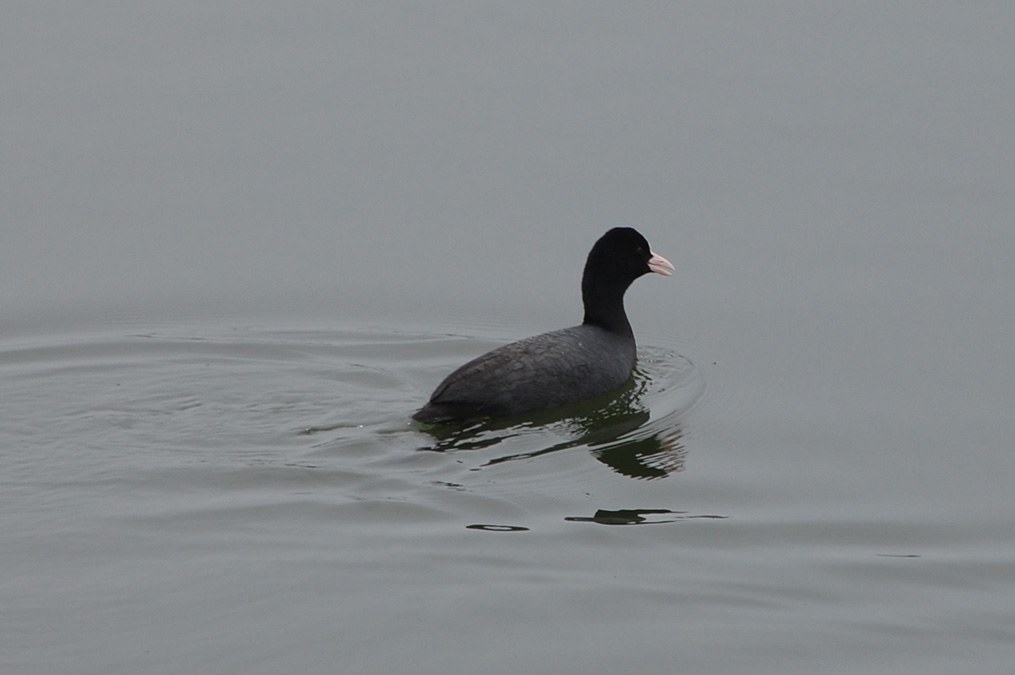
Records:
x=155, y=152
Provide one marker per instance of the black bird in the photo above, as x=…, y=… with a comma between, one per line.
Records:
x=563, y=366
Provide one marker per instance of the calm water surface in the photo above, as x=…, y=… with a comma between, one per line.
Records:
x=247, y=496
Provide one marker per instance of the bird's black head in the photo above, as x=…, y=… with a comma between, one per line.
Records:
x=617, y=259
x=622, y=255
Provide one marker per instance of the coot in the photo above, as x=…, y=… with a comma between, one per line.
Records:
x=563, y=366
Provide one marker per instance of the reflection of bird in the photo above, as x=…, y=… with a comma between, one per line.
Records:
x=563, y=366
x=654, y=456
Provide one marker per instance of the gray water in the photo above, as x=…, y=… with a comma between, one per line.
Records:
x=241, y=244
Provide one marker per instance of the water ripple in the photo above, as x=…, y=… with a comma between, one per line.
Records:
x=269, y=410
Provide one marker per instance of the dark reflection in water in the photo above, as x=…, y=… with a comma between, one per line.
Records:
x=656, y=456
x=605, y=517
x=616, y=429
x=637, y=517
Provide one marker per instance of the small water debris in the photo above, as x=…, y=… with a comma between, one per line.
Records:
x=497, y=528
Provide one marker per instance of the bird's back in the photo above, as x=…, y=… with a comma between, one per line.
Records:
x=543, y=371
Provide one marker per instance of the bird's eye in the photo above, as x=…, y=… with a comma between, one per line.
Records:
x=639, y=250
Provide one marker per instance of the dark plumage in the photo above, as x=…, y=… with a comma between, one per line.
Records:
x=563, y=366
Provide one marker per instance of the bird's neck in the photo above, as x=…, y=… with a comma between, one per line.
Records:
x=604, y=307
